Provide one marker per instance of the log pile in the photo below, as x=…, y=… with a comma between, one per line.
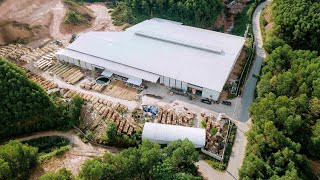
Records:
x=36, y=54
x=6, y=50
x=171, y=117
x=19, y=52
x=108, y=110
x=47, y=85
x=71, y=75
x=94, y=86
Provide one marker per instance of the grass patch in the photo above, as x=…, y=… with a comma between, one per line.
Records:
x=74, y=18
x=77, y=14
x=49, y=146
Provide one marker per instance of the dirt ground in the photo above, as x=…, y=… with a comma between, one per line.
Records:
x=315, y=165
x=71, y=160
x=47, y=16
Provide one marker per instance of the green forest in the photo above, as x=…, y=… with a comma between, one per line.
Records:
x=148, y=161
x=197, y=13
x=26, y=107
x=286, y=112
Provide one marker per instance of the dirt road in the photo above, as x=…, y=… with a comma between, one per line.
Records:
x=73, y=159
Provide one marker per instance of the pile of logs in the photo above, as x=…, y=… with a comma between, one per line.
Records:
x=94, y=86
x=171, y=117
x=107, y=110
x=36, y=54
x=47, y=85
x=70, y=74
x=6, y=50
x=20, y=51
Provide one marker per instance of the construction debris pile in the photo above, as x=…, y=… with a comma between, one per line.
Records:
x=215, y=143
x=169, y=116
x=70, y=74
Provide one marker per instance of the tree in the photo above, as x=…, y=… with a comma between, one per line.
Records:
x=4, y=169
x=111, y=133
x=16, y=160
x=61, y=174
x=147, y=161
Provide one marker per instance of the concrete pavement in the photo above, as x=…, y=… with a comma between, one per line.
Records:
x=250, y=85
x=239, y=147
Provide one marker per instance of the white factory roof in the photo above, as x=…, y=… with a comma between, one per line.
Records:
x=165, y=133
x=160, y=47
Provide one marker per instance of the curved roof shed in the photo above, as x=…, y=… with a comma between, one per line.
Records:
x=165, y=133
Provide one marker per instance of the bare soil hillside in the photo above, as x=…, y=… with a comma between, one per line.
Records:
x=44, y=19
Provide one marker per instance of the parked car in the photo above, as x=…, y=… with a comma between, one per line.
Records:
x=228, y=103
x=178, y=91
x=206, y=100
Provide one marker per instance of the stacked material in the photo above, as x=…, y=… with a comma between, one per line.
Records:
x=109, y=111
x=6, y=50
x=214, y=142
x=71, y=75
x=46, y=61
x=20, y=51
x=171, y=117
x=47, y=85
x=94, y=86
x=36, y=54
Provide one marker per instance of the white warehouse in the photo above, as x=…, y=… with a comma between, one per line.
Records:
x=166, y=133
x=160, y=51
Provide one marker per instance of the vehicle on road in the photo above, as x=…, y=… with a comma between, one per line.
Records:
x=206, y=100
x=228, y=103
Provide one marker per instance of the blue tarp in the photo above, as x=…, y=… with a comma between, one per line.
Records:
x=152, y=109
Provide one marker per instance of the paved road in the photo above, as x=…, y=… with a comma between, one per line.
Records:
x=250, y=85
x=239, y=147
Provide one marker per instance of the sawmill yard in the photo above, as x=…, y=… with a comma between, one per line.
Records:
x=32, y=33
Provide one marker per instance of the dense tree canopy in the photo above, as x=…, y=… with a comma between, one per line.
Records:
x=298, y=22
x=286, y=113
x=283, y=124
x=25, y=107
x=146, y=161
x=16, y=160
x=61, y=174
x=200, y=13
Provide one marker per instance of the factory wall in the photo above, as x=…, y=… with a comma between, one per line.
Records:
x=210, y=94
x=169, y=82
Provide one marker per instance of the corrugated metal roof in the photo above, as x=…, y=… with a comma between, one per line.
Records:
x=165, y=133
x=188, y=61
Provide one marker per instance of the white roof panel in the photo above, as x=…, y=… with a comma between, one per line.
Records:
x=192, y=55
x=165, y=133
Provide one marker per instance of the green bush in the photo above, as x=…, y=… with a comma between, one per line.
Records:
x=74, y=18
x=216, y=165
x=61, y=174
x=17, y=160
x=213, y=131
x=48, y=143
x=44, y=157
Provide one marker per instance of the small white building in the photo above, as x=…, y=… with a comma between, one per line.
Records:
x=160, y=51
x=165, y=133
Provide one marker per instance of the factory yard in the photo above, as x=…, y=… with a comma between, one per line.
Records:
x=42, y=62
x=118, y=102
